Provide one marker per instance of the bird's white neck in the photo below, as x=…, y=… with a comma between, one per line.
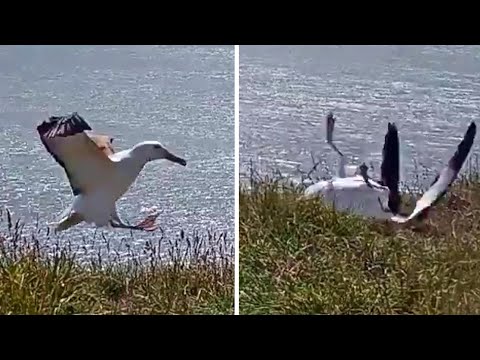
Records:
x=138, y=156
x=129, y=167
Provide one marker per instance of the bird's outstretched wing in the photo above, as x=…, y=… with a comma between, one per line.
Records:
x=445, y=178
x=330, y=128
x=390, y=168
x=85, y=164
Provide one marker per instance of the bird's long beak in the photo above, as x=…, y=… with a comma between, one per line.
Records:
x=175, y=159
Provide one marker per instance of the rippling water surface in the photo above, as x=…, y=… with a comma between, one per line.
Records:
x=431, y=92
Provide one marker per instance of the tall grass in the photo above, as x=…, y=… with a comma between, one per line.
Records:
x=302, y=257
x=193, y=277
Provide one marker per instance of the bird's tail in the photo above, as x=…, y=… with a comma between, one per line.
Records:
x=68, y=222
x=64, y=213
x=59, y=218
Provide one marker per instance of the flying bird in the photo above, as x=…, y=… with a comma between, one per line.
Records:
x=98, y=175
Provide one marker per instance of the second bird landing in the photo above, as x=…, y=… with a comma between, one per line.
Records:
x=98, y=175
x=358, y=193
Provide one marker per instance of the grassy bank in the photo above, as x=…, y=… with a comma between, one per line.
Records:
x=301, y=257
x=193, y=279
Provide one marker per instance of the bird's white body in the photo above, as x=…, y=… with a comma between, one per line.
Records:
x=345, y=170
x=349, y=191
x=350, y=170
x=98, y=206
x=352, y=194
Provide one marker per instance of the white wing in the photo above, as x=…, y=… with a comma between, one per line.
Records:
x=85, y=164
x=446, y=177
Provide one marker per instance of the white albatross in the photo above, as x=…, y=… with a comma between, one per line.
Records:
x=381, y=199
x=97, y=175
x=352, y=190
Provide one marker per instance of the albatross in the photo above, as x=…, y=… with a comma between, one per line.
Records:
x=98, y=175
x=352, y=189
x=381, y=199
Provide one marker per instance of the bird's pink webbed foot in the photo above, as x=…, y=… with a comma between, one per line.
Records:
x=149, y=223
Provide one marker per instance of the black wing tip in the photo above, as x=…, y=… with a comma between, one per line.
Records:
x=390, y=172
x=472, y=128
x=392, y=133
x=392, y=127
x=63, y=126
x=457, y=160
x=67, y=125
x=469, y=136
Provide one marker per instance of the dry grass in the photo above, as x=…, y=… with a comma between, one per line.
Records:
x=302, y=257
x=194, y=279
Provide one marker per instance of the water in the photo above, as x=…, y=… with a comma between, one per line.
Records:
x=430, y=92
x=182, y=96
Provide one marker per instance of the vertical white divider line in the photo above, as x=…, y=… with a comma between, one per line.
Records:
x=237, y=181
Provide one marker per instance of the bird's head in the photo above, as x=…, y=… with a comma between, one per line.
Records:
x=153, y=150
